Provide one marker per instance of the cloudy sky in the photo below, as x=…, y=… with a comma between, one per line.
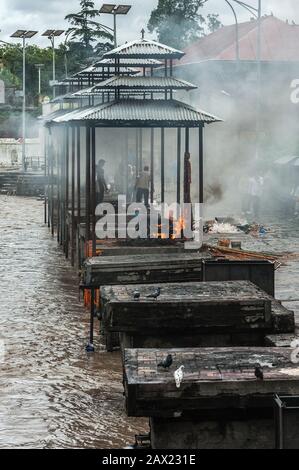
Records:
x=43, y=14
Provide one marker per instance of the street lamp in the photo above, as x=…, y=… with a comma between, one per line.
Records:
x=23, y=34
x=39, y=68
x=52, y=34
x=115, y=10
x=257, y=12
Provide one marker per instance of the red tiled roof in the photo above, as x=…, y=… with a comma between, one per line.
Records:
x=280, y=42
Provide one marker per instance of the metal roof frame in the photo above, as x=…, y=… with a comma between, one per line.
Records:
x=143, y=62
x=144, y=48
x=137, y=113
x=144, y=83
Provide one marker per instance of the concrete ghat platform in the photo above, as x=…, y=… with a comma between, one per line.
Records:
x=154, y=267
x=211, y=314
x=220, y=403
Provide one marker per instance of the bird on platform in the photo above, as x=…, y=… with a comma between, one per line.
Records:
x=259, y=373
x=166, y=363
x=90, y=348
x=155, y=294
x=179, y=376
x=136, y=295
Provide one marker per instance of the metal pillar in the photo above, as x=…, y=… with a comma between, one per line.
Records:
x=201, y=166
x=46, y=153
x=140, y=150
x=79, y=191
x=187, y=189
x=66, y=225
x=162, y=165
x=73, y=246
x=179, y=165
x=152, y=165
x=52, y=188
x=93, y=190
x=59, y=174
x=87, y=187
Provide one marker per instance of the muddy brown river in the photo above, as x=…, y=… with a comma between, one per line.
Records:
x=52, y=393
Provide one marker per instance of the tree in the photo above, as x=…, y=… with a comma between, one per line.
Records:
x=85, y=28
x=9, y=78
x=213, y=22
x=178, y=23
x=11, y=57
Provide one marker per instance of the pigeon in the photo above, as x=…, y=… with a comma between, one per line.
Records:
x=155, y=294
x=166, y=363
x=89, y=348
x=178, y=376
x=136, y=295
x=259, y=373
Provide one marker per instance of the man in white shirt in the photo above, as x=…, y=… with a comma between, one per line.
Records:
x=256, y=190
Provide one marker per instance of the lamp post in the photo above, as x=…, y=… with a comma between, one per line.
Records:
x=24, y=34
x=39, y=68
x=257, y=12
x=115, y=10
x=51, y=34
x=237, y=31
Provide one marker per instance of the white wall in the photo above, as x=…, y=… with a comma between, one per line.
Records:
x=11, y=151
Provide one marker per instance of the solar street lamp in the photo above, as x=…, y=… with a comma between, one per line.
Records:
x=52, y=34
x=24, y=34
x=39, y=68
x=112, y=9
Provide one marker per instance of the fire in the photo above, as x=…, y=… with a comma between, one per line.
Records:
x=159, y=234
x=178, y=227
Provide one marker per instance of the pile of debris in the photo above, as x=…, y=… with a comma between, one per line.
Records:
x=228, y=225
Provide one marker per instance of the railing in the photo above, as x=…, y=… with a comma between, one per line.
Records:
x=35, y=163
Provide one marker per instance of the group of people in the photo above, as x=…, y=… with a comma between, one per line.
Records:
x=141, y=186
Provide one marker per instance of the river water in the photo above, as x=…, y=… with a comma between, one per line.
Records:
x=52, y=394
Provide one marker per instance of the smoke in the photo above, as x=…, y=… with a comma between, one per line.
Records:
x=231, y=156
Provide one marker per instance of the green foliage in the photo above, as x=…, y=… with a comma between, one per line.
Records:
x=213, y=22
x=84, y=27
x=178, y=22
x=9, y=78
x=12, y=58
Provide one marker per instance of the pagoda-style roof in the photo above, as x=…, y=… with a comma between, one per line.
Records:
x=129, y=63
x=144, y=48
x=95, y=70
x=140, y=82
x=94, y=91
x=138, y=113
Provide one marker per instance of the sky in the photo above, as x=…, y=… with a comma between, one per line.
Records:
x=49, y=14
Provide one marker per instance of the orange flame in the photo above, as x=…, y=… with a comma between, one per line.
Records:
x=178, y=228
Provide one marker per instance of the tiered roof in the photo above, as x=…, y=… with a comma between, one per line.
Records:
x=136, y=98
x=144, y=48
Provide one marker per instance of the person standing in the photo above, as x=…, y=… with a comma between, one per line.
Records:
x=101, y=185
x=187, y=178
x=142, y=186
x=256, y=191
